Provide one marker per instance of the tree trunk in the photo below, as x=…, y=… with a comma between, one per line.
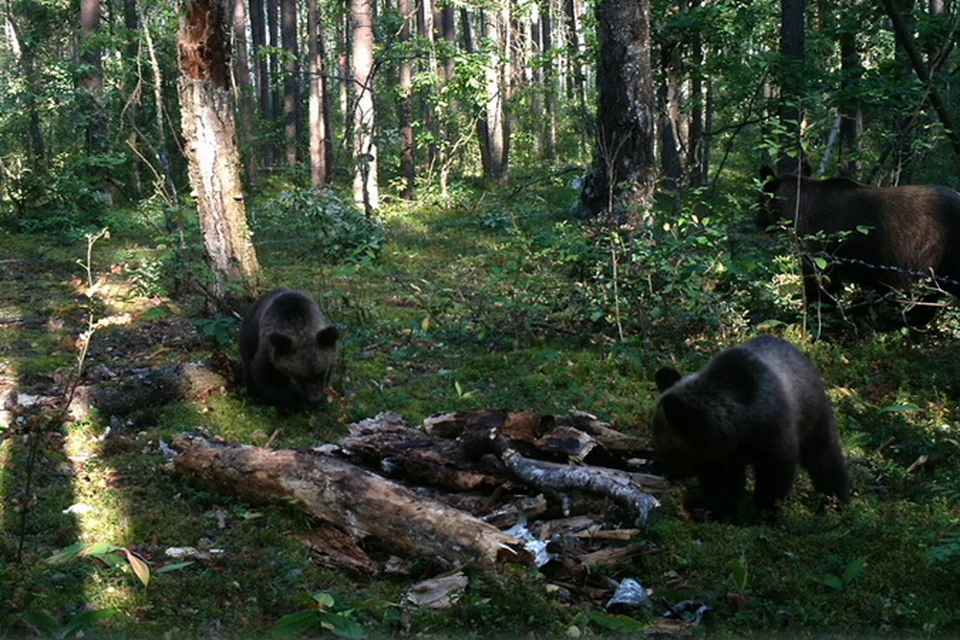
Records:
x=491, y=126
x=366, y=192
x=408, y=169
x=271, y=150
x=291, y=80
x=549, y=82
x=622, y=180
x=851, y=114
x=209, y=131
x=695, y=141
x=358, y=501
x=319, y=168
x=244, y=90
x=258, y=34
x=792, y=57
x=92, y=79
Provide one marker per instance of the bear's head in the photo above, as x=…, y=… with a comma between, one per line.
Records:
x=308, y=362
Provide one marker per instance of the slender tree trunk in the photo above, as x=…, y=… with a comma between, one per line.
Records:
x=318, y=126
x=405, y=105
x=667, y=99
x=26, y=57
x=244, y=90
x=431, y=118
x=695, y=140
x=366, y=191
x=851, y=116
x=271, y=150
x=793, y=54
x=577, y=89
x=91, y=84
x=169, y=187
x=291, y=80
x=549, y=81
x=491, y=127
x=622, y=180
x=210, y=141
x=258, y=34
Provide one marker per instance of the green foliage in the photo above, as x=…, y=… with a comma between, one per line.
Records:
x=220, y=330
x=840, y=583
x=333, y=230
x=110, y=555
x=946, y=551
x=738, y=574
x=322, y=616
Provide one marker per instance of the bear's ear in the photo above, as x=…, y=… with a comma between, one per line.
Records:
x=282, y=345
x=666, y=377
x=766, y=173
x=328, y=336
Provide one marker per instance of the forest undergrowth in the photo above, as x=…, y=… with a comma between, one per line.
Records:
x=500, y=299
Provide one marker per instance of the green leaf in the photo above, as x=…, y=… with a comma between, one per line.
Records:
x=85, y=620
x=177, y=566
x=900, y=407
x=341, y=626
x=42, y=622
x=623, y=624
x=832, y=581
x=67, y=553
x=99, y=549
x=738, y=573
x=296, y=624
x=854, y=569
x=821, y=263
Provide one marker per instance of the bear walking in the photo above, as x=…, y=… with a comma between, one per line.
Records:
x=761, y=404
x=288, y=349
x=879, y=237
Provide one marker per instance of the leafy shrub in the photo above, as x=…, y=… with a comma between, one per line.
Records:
x=335, y=230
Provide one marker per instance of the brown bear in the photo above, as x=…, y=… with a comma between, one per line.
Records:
x=288, y=349
x=880, y=237
x=761, y=404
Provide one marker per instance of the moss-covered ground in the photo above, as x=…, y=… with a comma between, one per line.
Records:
x=499, y=300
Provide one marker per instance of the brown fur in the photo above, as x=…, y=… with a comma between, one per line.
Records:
x=911, y=228
x=761, y=404
x=288, y=349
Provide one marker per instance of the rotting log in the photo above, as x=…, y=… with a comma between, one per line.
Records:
x=360, y=502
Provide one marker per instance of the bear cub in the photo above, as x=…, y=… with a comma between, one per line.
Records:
x=761, y=404
x=288, y=349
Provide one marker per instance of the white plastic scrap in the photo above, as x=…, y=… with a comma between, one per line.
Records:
x=630, y=592
x=536, y=547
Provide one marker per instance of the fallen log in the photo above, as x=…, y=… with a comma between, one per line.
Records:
x=358, y=501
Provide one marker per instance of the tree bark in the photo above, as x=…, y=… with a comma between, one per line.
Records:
x=244, y=90
x=408, y=170
x=358, y=501
x=491, y=125
x=209, y=131
x=291, y=80
x=622, y=180
x=792, y=58
x=319, y=167
x=366, y=190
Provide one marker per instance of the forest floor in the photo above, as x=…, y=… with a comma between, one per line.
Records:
x=498, y=302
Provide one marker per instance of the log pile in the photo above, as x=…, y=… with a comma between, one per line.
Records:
x=486, y=487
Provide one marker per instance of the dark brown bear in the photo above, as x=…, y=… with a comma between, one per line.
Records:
x=761, y=404
x=909, y=230
x=288, y=348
